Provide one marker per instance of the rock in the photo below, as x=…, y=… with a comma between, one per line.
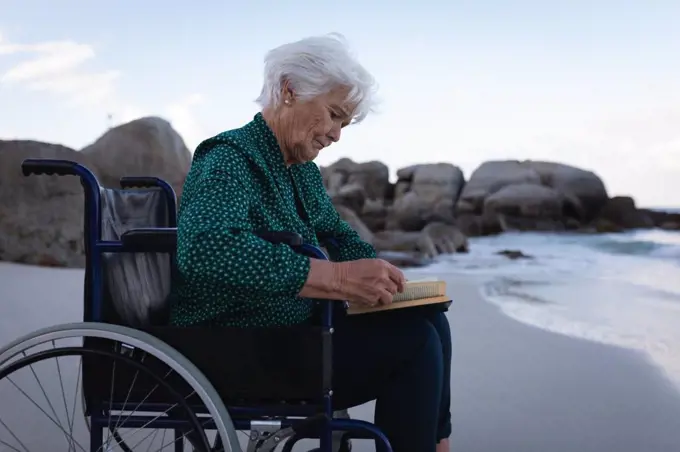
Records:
x=400, y=189
x=670, y=226
x=525, y=200
x=448, y=239
x=490, y=177
x=391, y=240
x=583, y=192
x=661, y=219
x=352, y=195
x=143, y=147
x=621, y=211
x=403, y=259
x=514, y=254
x=433, y=240
x=374, y=214
x=41, y=216
x=372, y=176
x=406, y=174
x=355, y=222
x=605, y=226
x=431, y=196
x=584, y=185
x=332, y=180
x=480, y=225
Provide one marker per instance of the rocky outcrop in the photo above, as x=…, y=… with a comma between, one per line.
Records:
x=143, y=147
x=429, y=210
x=664, y=220
x=531, y=195
x=622, y=211
x=410, y=221
x=41, y=217
x=425, y=194
x=415, y=247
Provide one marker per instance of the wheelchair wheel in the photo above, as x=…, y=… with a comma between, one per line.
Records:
x=124, y=389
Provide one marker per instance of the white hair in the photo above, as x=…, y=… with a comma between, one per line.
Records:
x=313, y=66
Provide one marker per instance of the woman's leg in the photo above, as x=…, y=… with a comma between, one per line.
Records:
x=396, y=360
x=441, y=324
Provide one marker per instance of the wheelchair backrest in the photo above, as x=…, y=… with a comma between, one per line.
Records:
x=136, y=284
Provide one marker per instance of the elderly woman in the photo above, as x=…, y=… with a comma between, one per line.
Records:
x=261, y=176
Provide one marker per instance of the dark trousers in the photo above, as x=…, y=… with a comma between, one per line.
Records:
x=401, y=359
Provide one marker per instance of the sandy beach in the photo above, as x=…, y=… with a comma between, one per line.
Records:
x=515, y=387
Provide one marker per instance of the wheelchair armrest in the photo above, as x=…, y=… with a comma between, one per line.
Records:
x=285, y=237
x=150, y=240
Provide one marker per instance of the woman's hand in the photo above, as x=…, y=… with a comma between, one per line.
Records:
x=368, y=282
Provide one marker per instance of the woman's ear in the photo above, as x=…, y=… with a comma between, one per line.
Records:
x=287, y=93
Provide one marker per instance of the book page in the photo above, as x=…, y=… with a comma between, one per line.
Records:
x=421, y=280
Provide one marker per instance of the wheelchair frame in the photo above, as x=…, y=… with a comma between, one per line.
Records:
x=263, y=423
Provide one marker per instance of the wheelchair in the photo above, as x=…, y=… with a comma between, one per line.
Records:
x=136, y=373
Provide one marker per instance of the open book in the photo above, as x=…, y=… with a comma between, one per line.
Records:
x=416, y=293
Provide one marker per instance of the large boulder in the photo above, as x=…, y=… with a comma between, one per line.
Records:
x=424, y=194
x=490, y=177
x=586, y=186
x=355, y=223
x=533, y=189
x=622, y=211
x=144, y=147
x=351, y=195
x=362, y=187
x=664, y=220
x=372, y=176
x=41, y=217
x=435, y=239
x=525, y=200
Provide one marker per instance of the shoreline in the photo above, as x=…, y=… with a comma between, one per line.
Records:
x=520, y=387
x=540, y=304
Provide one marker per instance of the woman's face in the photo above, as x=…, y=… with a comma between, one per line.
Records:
x=312, y=125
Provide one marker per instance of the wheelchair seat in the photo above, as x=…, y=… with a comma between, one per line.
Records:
x=244, y=364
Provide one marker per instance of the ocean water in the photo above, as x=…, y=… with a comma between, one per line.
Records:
x=617, y=289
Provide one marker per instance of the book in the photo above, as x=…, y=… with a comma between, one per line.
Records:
x=418, y=292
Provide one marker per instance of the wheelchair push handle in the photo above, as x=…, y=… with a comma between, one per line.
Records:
x=49, y=167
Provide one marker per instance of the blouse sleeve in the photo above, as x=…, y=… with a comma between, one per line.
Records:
x=217, y=244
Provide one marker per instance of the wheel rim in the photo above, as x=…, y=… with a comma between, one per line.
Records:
x=56, y=353
x=148, y=344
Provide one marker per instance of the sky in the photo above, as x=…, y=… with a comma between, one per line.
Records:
x=595, y=84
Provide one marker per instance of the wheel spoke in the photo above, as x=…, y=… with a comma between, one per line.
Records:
x=49, y=403
x=10, y=446
x=108, y=430
x=75, y=398
x=63, y=397
x=45, y=413
x=149, y=422
x=94, y=403
x=13, y=436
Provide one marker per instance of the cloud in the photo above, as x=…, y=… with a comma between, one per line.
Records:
x=60, y=69
x=57, y=67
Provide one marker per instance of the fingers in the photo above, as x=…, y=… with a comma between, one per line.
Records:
x=397, y=277
x=385, y=298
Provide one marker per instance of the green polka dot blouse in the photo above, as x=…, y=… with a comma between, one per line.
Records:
x=238, y=184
